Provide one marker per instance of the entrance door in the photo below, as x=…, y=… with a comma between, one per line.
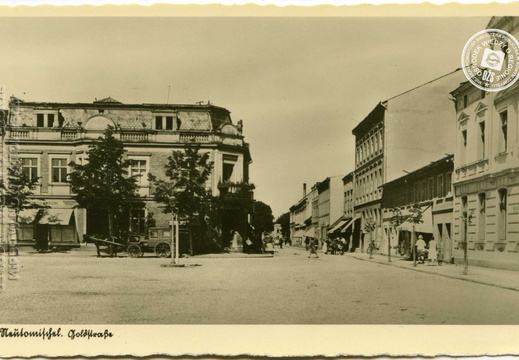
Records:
x=42, y=237
x=447, y=241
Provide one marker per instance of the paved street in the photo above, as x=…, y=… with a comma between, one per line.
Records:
x=287, y=289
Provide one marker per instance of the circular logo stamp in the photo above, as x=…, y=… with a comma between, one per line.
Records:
x=490, y=60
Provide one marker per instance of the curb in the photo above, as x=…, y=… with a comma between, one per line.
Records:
x=458, y=277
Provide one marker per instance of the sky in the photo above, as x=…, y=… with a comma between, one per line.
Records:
x=300, y=85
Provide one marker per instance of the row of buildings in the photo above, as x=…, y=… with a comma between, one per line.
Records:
x=48, y=136
x=446, y=146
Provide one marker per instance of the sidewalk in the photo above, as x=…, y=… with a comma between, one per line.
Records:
x=505, y=279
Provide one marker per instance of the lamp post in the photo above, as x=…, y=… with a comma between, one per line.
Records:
x=174, y=239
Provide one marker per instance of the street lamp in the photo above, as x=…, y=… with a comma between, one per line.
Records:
x=174, y=239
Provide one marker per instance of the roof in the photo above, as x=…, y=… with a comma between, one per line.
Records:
x=376, y=115
x=416, y=173
x=107, y=100
x=113, y=103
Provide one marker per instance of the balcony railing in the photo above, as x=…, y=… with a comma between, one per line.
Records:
x=130, y=135
x=236, y=190
x=134, y=136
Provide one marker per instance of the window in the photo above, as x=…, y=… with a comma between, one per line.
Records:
x=227, y=171
x=502, y=215
x=169, y=123
x=503, y=141
x=448, y=180
x=30, y=168
x=158, y=122
x=483, y=94
x=50, y=120
x=465, y=101
x=481, y=145
x=138, y=221
x=439, y=186
x=59, y=170
x=432, y=192
x=40, y=120
x=138, y=170
x=464, y=221
x=464, y=137
x=482, y=217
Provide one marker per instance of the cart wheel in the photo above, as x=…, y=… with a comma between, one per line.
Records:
x=134, y=251
x=163, y=249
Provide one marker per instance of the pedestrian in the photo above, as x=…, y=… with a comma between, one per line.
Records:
x=344, y=245
x=420, y=249
x=432, y=254
x=313, y=248
x=281, y=242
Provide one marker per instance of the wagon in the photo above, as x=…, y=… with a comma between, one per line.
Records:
x=157, y=241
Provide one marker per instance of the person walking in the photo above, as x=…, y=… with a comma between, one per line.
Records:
x=432, y=254
x=420, y=249
x=312, y=248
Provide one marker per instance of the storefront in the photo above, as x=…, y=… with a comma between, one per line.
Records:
x=57, y=224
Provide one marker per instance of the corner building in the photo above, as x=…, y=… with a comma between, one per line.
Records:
x=51, y=135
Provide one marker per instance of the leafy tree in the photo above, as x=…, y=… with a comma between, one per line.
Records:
x=17, y=189
x=284, y=221
x=369, y=227
x=183, y=191
x=103, y=182
x=262, y=219
x=395, y=221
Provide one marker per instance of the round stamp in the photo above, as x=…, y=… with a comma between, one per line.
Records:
x=490, y=60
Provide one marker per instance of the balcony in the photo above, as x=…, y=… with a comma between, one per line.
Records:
x=236, y=190
x=69, y=134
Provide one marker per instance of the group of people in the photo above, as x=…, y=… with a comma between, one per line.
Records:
x=427, y=251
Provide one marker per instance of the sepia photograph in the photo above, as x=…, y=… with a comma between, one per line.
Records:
x=249, y=170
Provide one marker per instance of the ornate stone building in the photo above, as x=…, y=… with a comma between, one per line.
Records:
x=51, y=135
x=486, y=170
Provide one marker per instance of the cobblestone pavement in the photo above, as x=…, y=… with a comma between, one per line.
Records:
x=289, y=288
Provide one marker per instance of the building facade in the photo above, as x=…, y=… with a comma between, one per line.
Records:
x=398, y=136
x=430, y=188
x=486, y=170
x=51, y=135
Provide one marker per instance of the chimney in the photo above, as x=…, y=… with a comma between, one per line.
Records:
x=304, y=189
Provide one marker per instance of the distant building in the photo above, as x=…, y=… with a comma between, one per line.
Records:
x=400, y=135
x=51, y=135
x=486, y=168
x=301, y=218
x=330, y=204
x=347, y=225
x=312, y=215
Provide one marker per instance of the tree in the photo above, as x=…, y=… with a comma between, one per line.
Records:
x=284, y=221
x=262, y=220
x=369, y=227
x=396, y=220
x=103, y=182
x=415, y=217
x=18, y=188
x=184, y=191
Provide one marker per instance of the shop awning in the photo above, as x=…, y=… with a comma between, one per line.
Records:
x=26, y=216
x=348, y=225
x=425, y=227
x=337, y=226
x=56, y=216
x=310, y=232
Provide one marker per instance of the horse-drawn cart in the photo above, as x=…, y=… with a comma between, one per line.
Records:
x=155, y=242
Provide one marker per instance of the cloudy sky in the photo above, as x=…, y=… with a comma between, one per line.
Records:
x=299, y=84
